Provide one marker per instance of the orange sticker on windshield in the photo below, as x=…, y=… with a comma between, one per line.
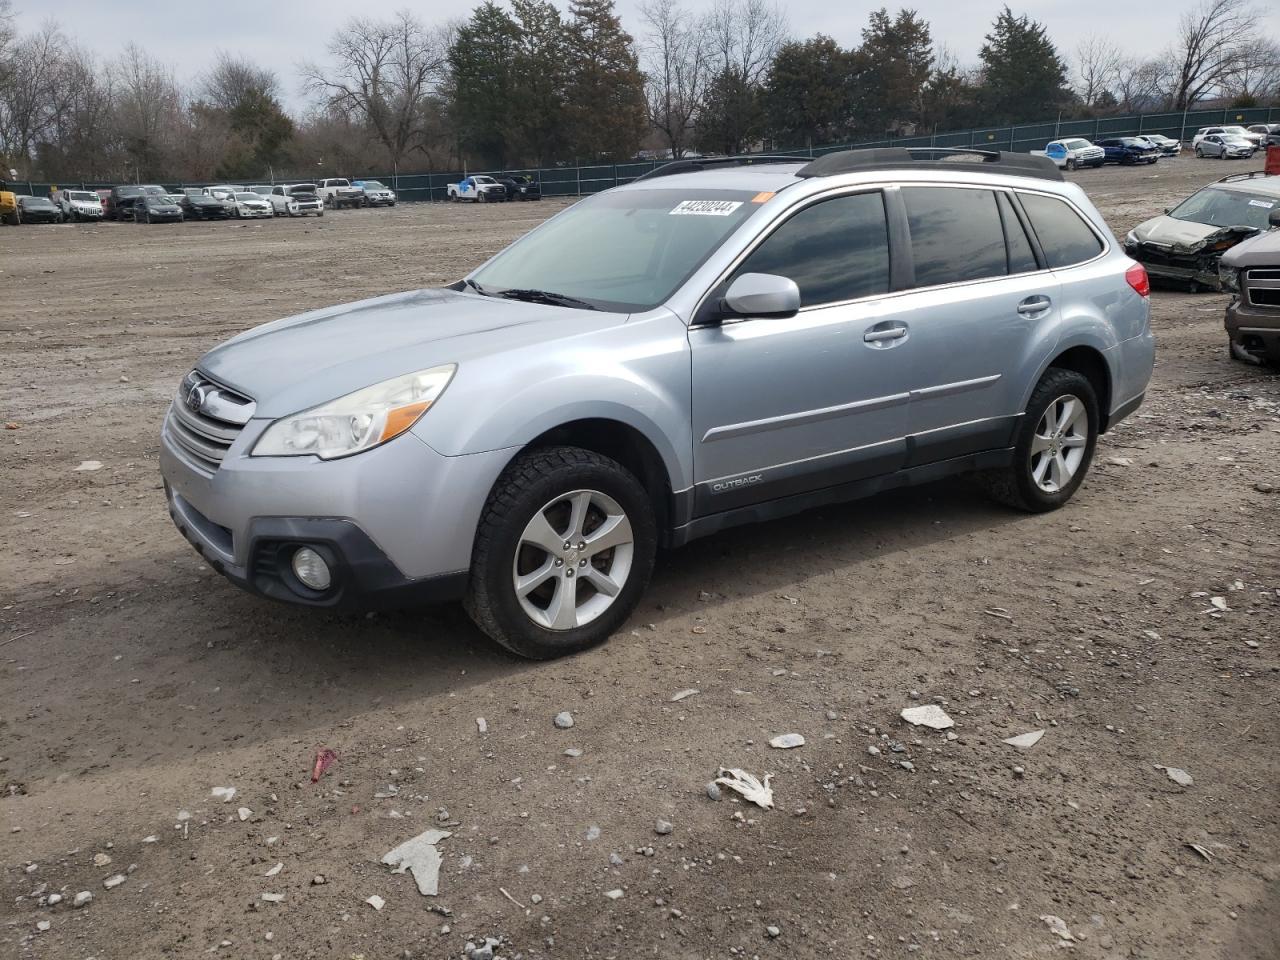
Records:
x=762, y=197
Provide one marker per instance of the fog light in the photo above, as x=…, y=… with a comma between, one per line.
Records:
x=309, y=567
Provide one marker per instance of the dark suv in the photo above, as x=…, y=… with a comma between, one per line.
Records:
x=521, y=187
x=119, y=205
x=1251, y=272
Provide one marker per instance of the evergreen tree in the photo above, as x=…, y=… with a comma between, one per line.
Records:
x=605, y=90
x=483, y=83
x=897, y=55
x=1023, y=76
x=540, y=74
x=732, y=114
x=808, y=92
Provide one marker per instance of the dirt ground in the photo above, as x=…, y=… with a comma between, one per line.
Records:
x=133, y=679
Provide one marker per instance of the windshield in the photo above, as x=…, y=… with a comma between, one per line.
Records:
x=626, y=251
x=37, y=202
x=484, y=179
x=1077, y=144
x=1235, y=131
x=373, y=185
x=1225, y=208
x=154, y=191
x=303, y=188
x=83, y=195
x=247, y=196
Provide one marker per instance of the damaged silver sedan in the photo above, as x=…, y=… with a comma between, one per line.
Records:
x=1186, y=243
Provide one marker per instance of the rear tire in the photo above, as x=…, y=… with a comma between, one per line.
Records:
x=565, y=604
x=1053, y=448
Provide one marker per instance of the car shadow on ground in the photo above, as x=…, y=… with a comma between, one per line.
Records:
x=207, y=667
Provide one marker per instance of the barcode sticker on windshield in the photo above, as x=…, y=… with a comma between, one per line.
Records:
x=1264, y=204
x=705, y=208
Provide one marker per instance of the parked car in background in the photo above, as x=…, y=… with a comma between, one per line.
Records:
x=1225, y=146
x=274, y=194
x=1186, y=242
x=1268, y=133
x=155, y=190
x=10, y=212
x=306, y=199
x=250, y=206
x=119, y=199
x=1073, y=153
x=1227, y=129
x=478, y=189
x=1250, y=272
x=521, y=187
x=156, y=209
x=38, y=210
x=375, y=193
x=707, y=346
x=199, y=205
x=1167, y=146
x=1126, y=150
x=337, y=192
x=79, y=204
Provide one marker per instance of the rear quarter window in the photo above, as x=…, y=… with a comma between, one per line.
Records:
x=1064, y=236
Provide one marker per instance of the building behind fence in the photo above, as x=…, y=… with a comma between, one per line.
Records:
x=574, y=181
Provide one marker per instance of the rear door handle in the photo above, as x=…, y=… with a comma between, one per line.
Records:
x=889, y=333
x=1034, y=306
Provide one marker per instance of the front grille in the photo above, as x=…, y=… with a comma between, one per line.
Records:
x=1262, y=286
x=205, y=419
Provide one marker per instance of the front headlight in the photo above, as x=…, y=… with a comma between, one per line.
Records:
x=1229, y=277
x=357, y=421
x=1131, y=239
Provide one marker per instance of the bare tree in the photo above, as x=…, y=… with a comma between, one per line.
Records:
x=383, y=72
x=1097, y=59
x=674, y=58
x=1255, y=76
x=148, y=111
x=1212, y=39
x=233, y=79
x=743, y=36
x=35, y=91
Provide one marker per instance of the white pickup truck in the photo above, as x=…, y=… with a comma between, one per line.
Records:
x=478, y=189
x=337, y=192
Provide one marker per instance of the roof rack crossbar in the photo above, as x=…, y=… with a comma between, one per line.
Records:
x=694, y=164
x=930, y=158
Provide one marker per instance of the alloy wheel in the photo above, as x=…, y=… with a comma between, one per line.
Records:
x=1059, y=444
x=573, y=559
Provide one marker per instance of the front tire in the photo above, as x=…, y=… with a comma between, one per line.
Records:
x=563, y=552
x=1054, y=445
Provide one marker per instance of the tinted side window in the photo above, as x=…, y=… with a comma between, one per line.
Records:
x=1021, y=257
x=835, y=250
x=1064, y=237
x=955, y=234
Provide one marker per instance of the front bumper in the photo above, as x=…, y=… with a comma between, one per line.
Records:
x=1170, y=264
x=1254, y=332
x=396, y=522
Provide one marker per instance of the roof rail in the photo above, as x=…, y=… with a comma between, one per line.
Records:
x=931, y=158
x=1232, y=177
x=694, y=164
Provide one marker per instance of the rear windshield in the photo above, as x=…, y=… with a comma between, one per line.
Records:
x=625, y=251
x=1226, y=208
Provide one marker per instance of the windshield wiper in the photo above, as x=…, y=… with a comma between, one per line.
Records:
x=475, y=286
x=545, y=296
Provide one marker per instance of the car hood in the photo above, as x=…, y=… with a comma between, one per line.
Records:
x=1260, y=251
x=1169, y=231
x=300, y=362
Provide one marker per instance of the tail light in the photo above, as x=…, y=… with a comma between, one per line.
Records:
x=1137, y=277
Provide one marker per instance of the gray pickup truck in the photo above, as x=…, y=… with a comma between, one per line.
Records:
x=719, y=342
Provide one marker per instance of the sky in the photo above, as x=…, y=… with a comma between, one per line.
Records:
x=282, y=33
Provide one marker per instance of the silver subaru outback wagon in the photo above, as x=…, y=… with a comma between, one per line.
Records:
x=716, y=343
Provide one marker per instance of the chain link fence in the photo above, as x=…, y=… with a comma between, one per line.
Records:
x=572, y=180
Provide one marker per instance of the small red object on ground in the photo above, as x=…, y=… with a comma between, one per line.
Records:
x=324, y=759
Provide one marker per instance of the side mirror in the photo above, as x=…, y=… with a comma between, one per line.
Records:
x=762, y=295
x=1273, y=218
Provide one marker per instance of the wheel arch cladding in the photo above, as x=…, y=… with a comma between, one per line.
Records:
x=623, y=443
x=1092, y=365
